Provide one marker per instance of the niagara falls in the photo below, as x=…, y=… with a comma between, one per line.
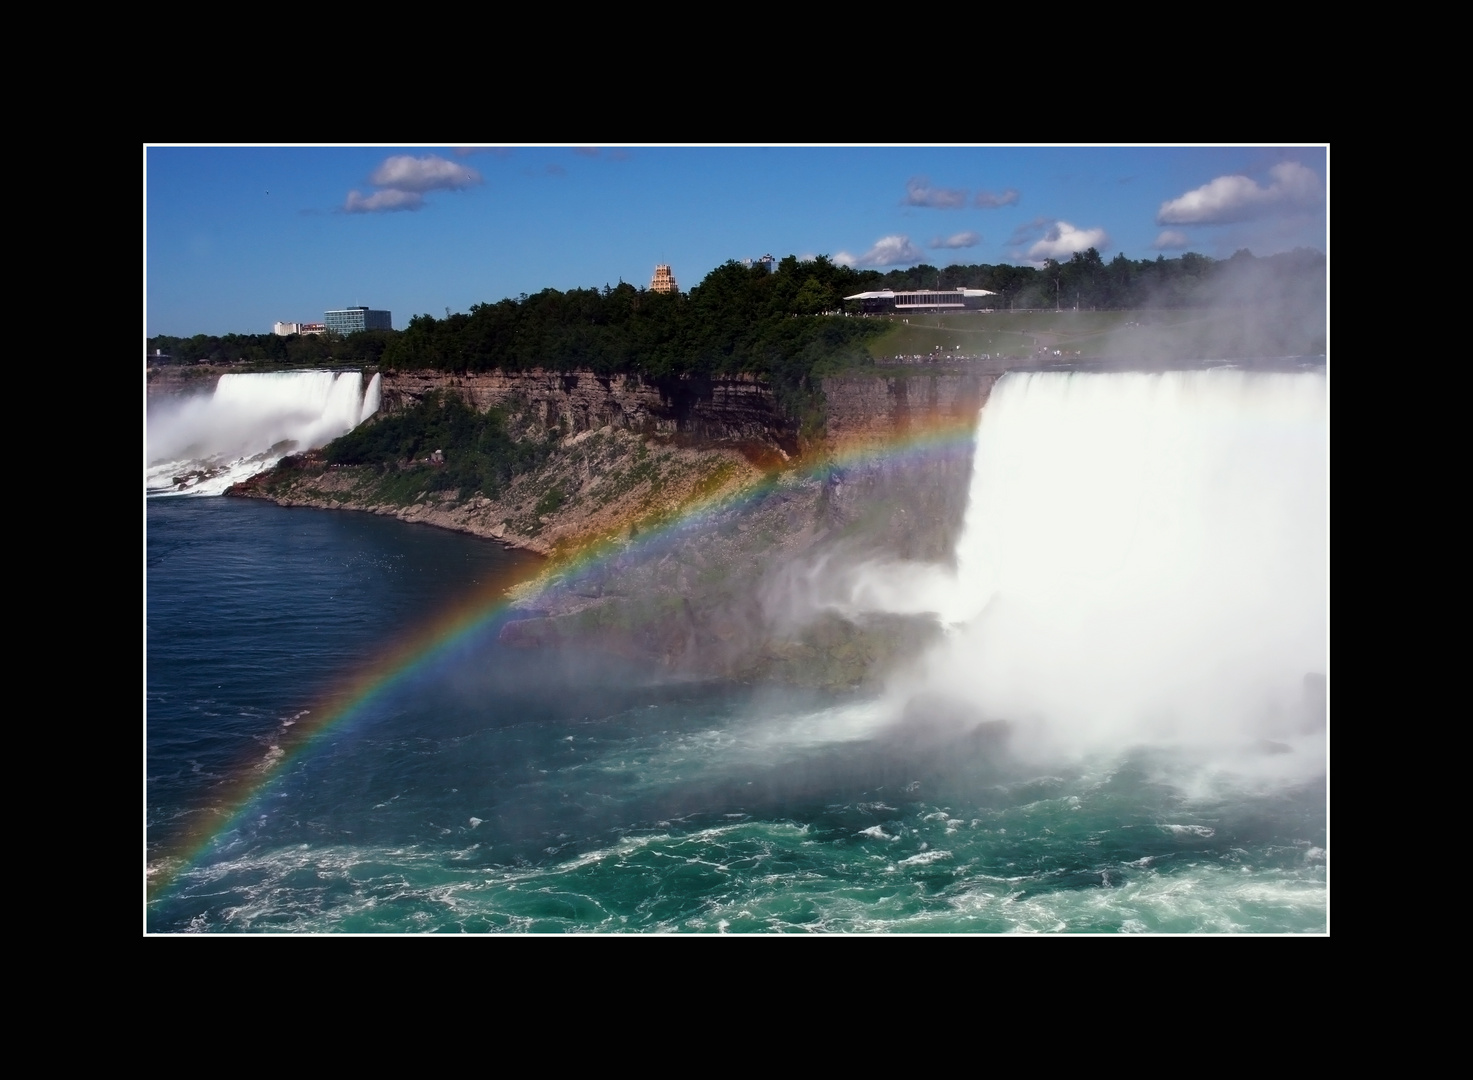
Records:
x=971, y=580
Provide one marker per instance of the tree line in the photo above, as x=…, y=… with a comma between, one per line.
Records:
x=297, y=350
x=1086, y=280
x=785, y=324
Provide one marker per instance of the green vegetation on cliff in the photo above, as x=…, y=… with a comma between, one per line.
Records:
x=477, y=449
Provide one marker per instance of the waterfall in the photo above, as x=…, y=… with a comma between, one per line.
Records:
x=370, y=398
x=202, y=445
x=1145, y=558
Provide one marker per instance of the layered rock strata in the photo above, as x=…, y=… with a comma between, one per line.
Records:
x=736, y=409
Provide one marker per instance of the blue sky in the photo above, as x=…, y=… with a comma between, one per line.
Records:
x=240, y=237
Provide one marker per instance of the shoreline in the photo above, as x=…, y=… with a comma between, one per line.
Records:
x=416, y=514
x=611, y=484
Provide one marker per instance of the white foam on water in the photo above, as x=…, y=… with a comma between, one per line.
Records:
x=926, y=857
x=1203, y=831
x=770, y=736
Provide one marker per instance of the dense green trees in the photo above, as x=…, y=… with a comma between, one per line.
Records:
x=739, y=320
x=309, y=350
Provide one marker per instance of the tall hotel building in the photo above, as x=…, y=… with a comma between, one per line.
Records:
x=351, y=320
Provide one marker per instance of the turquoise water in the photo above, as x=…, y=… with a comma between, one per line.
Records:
x=503, y=791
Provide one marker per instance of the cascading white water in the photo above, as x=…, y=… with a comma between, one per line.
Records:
x=370, y=398
x=202, y=445
x=1145, y=558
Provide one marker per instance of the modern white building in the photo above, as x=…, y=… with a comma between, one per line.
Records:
x=922, y=300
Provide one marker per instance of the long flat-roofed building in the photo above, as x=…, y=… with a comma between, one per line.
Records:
x=922, y=299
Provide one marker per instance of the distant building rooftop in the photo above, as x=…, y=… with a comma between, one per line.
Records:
x=929, y=299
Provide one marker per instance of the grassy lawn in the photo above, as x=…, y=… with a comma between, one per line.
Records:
x=1095, y=333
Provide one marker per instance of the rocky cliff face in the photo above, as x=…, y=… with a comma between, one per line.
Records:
x=909, y=509
x=748, y=589
x=876, y=409
x=181, y=380
x=703, y=410
x=709, y=592
x=906, y=505
x=860, y=407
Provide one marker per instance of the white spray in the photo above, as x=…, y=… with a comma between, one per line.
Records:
x=1145, y=558
x=248, y=424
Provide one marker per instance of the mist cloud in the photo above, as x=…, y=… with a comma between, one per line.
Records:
x=1171, y=240
x=989, y=201
x=919, y=192
x=383, y=201
x=1231, y=199
x=888, y=251
x=960, y=240
x=1029, y=230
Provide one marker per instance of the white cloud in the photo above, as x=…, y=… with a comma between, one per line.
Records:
x=990, y=201
x=383, y=201
x=1171, y=240
x=919, y=192
x=888, y=251
x=402, y=181
x=959, y=240
x=1064, y=239
x=430, y=173
x=1237, y=198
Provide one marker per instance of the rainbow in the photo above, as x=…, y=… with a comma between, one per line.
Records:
x=403, y=660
